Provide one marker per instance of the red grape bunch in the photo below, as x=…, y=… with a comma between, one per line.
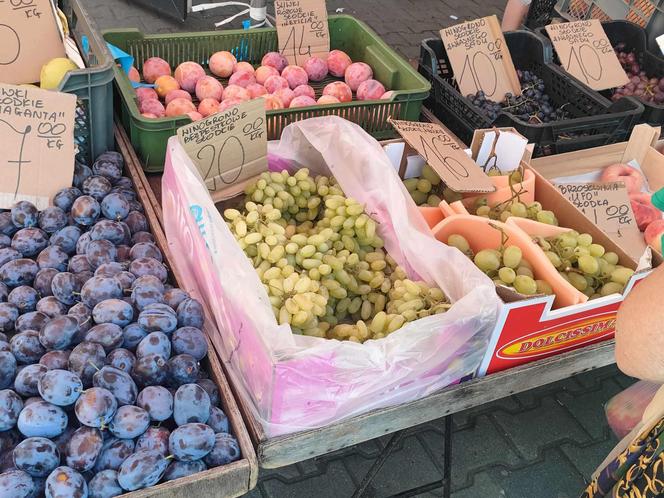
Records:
x=648, y=89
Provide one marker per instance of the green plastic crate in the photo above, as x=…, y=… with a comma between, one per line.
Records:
x=149, y=136
x=93, y=86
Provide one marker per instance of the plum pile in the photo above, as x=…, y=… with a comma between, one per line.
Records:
x=647, y=88
x=101, y=391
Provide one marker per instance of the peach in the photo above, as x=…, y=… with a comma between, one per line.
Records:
x=177, y=94
x=208, y=106
x=264, y=72
x=272, y=102
x=222, y=64
x=195, y=115
x=632, y=178
x=338, y=62
x=242, y=78
x=152, y=106
x=255, y=90
x=236, y=92
x=370, y=90
x=188, y=74
x=295, y=76
x=328, y=99
x=164, y=85
x=357, y=73
x=149, y=115
x=228, y=103
x=145, y=93
x=179, y=107
x=155, y=67
x=304, y=90
x=274, y=59
x=134, y=75
x=209, y=88
x=340, y=90
x=243, y=66
x=653, y=234
x=302, y=101
x=644, y=212
x=274, y=83
x=387, y=95
x=316, y=68
x=286, y=95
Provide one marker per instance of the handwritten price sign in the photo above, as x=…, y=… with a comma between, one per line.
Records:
x=444, y=154
x=480, y=59
x=586, y=53
x=228, y=147
x=37, y=146
x=302, y=29
x=29, y=38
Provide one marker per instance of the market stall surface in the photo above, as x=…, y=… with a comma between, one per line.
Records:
x=542, y=443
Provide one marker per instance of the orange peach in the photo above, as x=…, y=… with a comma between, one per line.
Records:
x=272, y=102
x=209, y=88
x=152, y=106
x=644, y=212
x=632, y=178
x=222, y=63
x=207, y=107
x=302, y=101
x=338, y=62
x=286, y=95
x=274, y=83
x=370, y=90
x=316, y=68
x=236, y=92
x=146, y=93
x=179, y=107
x=155, y=67
x=653, y=234
x=328, y=99
x=228, y=103
x=164, y=85
x=357, y=73
x=188, y=74
x=274, y=59
x=255, y=90
x=177, y=94
x=340, y=90
x=295, y=76
x=134, y=75
x=195, y=115
x=304, y=90
x=264, y=72
x=242, y=78
x=243, y=66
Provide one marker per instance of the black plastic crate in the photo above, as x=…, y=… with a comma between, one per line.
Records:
x=634, y=38
x=540, y=13
x=594, y=120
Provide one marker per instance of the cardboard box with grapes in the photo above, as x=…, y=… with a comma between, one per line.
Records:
x=330, y=293
x=560, y=277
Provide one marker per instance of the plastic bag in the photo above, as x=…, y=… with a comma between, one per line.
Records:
x=625, y=410
x=295, y=382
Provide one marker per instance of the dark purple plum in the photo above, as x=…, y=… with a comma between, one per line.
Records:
x=24, y=214
x=85, y=210
x=122, y=359
x=11, y=405
x=226, y=450
x=56, y=360
x=117, y=382
x=60, y=387
x=82, y=243
x=18, y=272
x=191, y=404
x=218, y=420
x=110, y=230
x=8, y=315
x=147, y=290
x=95, y=407
x=190, y=313
x=66, y=482
x=152, y=319
x=178, y=469
x=34, y=320
x=51, y=307
x=133, y=334
x=142, y=469
x=115, y=206
x=24, y=298
x=59, y=333
x=145, y=250
x=7, y=226
x=105, y=485
x=191, y=442
x=65, y=288
x=52, y=219
x=37, y=456
x=81, y=172
x=108, y=335
x=100, y=252
x=148, y=266
x=85, y=359
x=109, y=269
x=211, y=389
x=42, y=419
x=16, y=484
x=84, y=448
x=113, y=453
x=8, y=367
x=139, y=237
x=43, y=280
x=154, y=343
x=109, y=165
x=66, y=197
x=190, y=340
x=97, y=187
x=114, y=311
x=174, y=296
x=27, y=379
x=98, y=289
x=66, y=239
x=155, y=439
x=8, y=254
x=137, y=222
x=150, y=370
x=182, y=369
x=79, y=264
x=30, y=241
x=129, y=422
x=157, y=401
x=26, y=347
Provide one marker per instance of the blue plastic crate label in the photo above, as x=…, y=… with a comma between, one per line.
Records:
x=228, y=147
x=586, y=53
x=37, y=146
x=29, y=38
x=302, y=29
x=480, y=59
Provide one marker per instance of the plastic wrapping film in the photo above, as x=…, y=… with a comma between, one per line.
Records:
x=625, y=410
x=294, y=382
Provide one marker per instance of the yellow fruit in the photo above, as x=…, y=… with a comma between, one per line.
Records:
x=54, y=71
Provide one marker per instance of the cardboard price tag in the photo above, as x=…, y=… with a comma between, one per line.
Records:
x=302, y=29
x=480, y=59
x=586, y=53
x=29, y=38
x=607, y=205
x=37, y=145
x=444, y=155
x=229, y=146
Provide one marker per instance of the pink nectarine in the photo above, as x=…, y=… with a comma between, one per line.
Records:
x=644, y=211
x=316, y=68
x=370, y=90
x=264, y=72
x=387, y=95
x=274, y=59
x=152, y=106
x=653, y=234
x=328, y=99
x=304, y=90
x=286, y=95
x=302, y=101
x=134, y=75
x=243, y=66
x=356, y=73
x=187, y=74
x=272, y=102
x=274, y=83
x=155, y=67
x=631, y=177
x=236, y=92
x=195, y=115
x=242, y=78
x=179, y=107
x=209, y=88
x=255, y=90
x=222, y=63
x=207, y=107
x=146, y=93
x=338, y=62
x=339, y=90
x=228, y=103
x=295, y=76
x=149, y=115
x=177, y=94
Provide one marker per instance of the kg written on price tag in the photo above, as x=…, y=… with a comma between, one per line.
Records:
x=480, y=59
x=228, y=147
x=302, y=29
x=29, y=38
x=444, y=155
x=37, y=144
x=586, y=53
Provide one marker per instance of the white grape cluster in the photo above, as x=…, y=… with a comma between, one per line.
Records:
x=428, y=189
x=322, y=262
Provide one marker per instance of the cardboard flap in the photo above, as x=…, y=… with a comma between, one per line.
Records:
x=302, y=29
x=642, y=138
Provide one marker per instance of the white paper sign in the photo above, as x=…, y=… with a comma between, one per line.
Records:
x=507, y=153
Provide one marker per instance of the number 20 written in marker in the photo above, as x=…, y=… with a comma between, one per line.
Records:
x=211, y=156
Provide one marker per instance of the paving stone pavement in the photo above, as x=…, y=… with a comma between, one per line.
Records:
x=542, y=443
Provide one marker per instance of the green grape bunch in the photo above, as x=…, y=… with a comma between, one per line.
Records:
x=429, y=190
x=321, y=261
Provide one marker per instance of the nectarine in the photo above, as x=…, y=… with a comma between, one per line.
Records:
x=302, y=101
x=295, y=76
x=222, y=64
x=286, y=95
x=338, y=62
x=263, y=73
x=644, y=211
x=242, y=78
x=304, y=90
x=328, y=99
x=134, y=75
x=274, y=83
x=316, y=68
x=274, y=59
x=179, y=107
x=195, y=115
x=187, y=74
x=243, y=66
x=653, y=234
x=356, y=73
x=152, y=106
x=631, y=177
x=339, y=90
x=272, y=102
x=208, y=107
x=255, y=90
x=209, y=88
x=155, y=67
x=236, y=92
x=145, y=93
x=164, y=85
x=177, y=94
x=370, y=90
x=228, y=103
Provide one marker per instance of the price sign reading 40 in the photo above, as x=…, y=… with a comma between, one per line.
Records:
x=302, y=29
x=586, y=53
x=480, y=59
